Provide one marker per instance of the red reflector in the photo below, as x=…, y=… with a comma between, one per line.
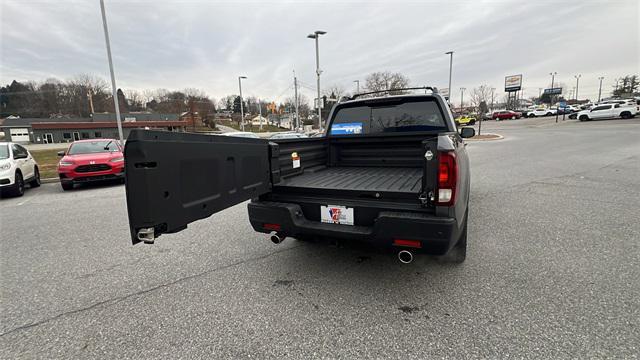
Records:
x=408, y=243
x=275, y=227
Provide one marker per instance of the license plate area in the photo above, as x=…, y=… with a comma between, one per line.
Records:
x=336, y=214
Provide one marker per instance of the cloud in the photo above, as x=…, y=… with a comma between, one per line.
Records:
x=179, y=44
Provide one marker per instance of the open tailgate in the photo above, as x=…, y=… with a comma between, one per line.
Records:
x=173, y=179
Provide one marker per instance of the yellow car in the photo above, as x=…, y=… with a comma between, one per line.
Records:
x=465, y=120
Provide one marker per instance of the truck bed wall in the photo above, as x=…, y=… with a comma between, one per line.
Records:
x=383, y=151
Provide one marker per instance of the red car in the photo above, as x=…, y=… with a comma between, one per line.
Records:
x=91, y=160
x=506, y=114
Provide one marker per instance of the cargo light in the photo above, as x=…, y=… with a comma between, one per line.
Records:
x=274, y=227
x=407, y=243
x=447, y=178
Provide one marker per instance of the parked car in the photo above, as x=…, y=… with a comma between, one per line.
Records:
x=392, y=172
x=17, y=168
x=465, y=120
x=288, y=135
x=608, y=111
x=245, y=134
x=506, y=114
x=541, y=112
x=89, y=161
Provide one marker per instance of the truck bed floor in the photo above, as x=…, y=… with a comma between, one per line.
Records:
x=405, y=180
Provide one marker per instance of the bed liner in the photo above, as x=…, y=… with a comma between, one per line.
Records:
x=389, y=179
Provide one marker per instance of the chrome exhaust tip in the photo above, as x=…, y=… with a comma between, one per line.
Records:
x=277, y=238
x=405, y=256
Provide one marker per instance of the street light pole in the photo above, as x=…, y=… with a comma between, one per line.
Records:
x=241, y=102
x=295, y=90
x=450, y=53
x=492, y=91
x=357, y=86
x=316, y=35
x=113, y=77
x=462, y=97
x=600, y=88
x=577, y=81
x=553, y=77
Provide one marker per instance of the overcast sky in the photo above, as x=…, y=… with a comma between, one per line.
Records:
x=207, y=44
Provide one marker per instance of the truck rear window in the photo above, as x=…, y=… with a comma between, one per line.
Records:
x=405, y=116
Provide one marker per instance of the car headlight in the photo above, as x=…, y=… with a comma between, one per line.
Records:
x=6, y=166
x=66, y=163
x=118, y=159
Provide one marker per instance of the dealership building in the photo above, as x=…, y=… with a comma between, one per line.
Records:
x=65, y=130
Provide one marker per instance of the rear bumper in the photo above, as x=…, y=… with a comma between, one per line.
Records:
x=437, y=234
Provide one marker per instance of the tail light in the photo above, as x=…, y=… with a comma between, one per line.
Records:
x=447, y=178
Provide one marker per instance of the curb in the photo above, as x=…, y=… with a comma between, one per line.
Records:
x=497, y=137
x=49, y=180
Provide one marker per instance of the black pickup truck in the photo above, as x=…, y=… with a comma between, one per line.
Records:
x=390, y=171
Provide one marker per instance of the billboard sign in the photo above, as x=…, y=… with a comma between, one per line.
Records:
x=513, y=83
x=553, y=91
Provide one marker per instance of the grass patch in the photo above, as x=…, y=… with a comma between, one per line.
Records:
x=47, y=162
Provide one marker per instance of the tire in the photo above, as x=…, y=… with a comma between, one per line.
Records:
x=548, y=114
x=36, y=179
x=472, y=122
x=458, y=253
x=626, y=115
x=18, y=186
x=66, y=186
x=583, y=118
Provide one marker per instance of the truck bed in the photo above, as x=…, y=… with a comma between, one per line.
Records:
x=397, y=179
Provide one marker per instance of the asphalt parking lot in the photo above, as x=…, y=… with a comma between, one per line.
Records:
x=552, y=270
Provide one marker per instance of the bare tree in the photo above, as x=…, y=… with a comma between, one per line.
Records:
x=386, y=80
x=480, y=95
x=335, y=91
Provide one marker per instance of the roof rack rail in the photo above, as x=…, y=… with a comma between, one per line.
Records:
x=433, y=90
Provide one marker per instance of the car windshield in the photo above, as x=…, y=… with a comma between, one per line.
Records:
x=90, y=147
x=398, y=116
x=4, y=152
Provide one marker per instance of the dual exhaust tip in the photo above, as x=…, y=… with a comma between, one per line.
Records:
x=405, y=256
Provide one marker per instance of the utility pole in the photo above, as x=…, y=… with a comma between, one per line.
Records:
x=241, y=102
x=492, y=91
x=113, y=77
x=260, y=112
x=295, y=87
x=553, y=76
x=357, y=86
x=450, y=53
x=600, y=88
x=316, y=35
x=577, y=83
x=462, y=97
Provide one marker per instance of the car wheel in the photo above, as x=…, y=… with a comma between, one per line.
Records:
x=583, y=118
x=548, y=114
x=66, y=186
x=36, y=179
x=472, y=122
x=458, y=253
x=626, y=115
x=18, y=186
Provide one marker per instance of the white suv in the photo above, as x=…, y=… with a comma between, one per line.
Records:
x=17, y=167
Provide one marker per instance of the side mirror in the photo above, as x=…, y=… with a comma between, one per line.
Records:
x=61, y=153
x=467, y=132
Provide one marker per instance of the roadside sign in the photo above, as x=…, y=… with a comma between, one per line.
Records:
x=563, y=104
x=553, y=91
x=513, y=83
